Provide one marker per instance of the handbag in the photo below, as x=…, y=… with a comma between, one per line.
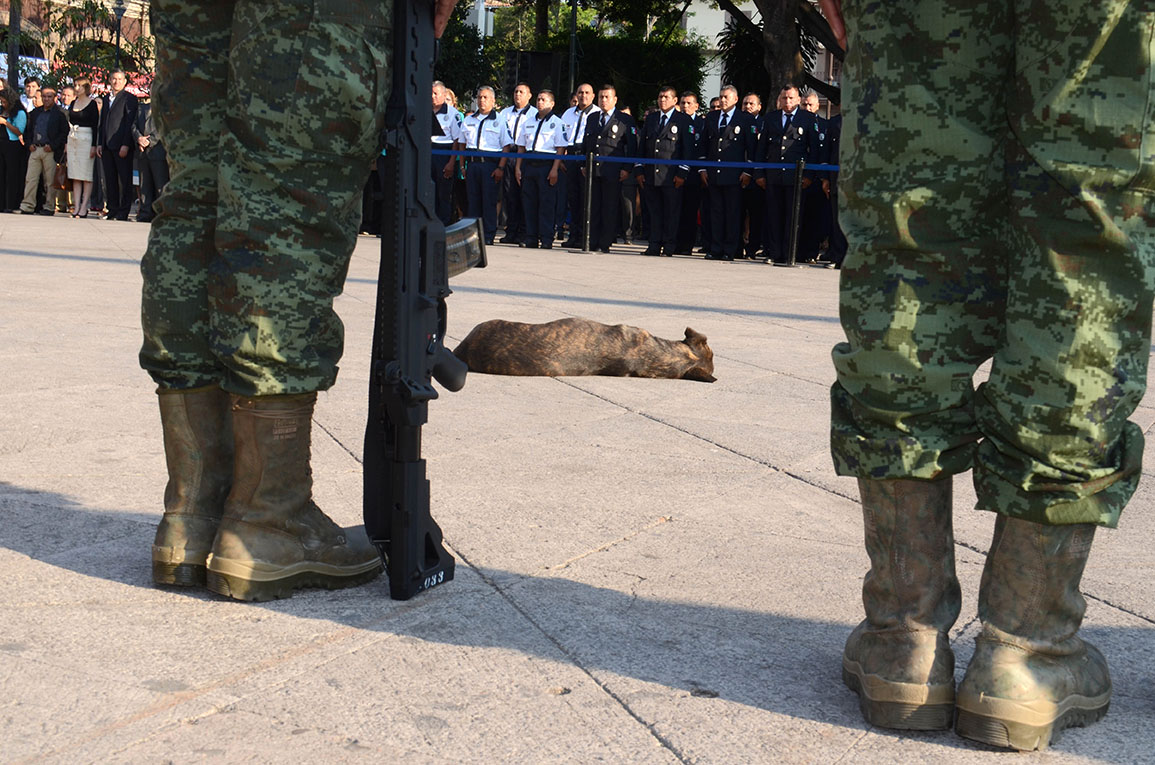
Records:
x=60, y=179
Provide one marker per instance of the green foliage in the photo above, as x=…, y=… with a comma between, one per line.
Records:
x=463, y=64
x=635, y=67
x=85, y=29
x=743, y=51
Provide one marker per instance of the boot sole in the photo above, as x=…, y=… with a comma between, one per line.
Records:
x=909, y=706
x=178, y=574
x=227, y=578
x=1013, y=725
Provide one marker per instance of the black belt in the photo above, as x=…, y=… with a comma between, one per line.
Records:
x=485, y=160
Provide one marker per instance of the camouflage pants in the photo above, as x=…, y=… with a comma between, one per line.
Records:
x=997, y=181
x=271, y=112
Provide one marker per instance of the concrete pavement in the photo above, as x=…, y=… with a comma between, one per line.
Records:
x=648, y=570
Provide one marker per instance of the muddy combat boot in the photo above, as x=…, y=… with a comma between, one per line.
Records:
x=273, y=539
x=1031, y=677
x=899, y=660
x=198, y=447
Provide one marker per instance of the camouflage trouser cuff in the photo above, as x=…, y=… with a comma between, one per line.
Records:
x=1099, y=500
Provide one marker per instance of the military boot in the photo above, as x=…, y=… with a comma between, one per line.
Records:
x=1031, y=676
x=899, y=660
x=198, y=447
x=273, y=539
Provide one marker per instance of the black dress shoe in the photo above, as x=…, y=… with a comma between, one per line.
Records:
x=572, y=244
x=652, y=251
x=47, y=212
x=529, y=245
x=606, y=250
x=510, y=240
x=546, y=246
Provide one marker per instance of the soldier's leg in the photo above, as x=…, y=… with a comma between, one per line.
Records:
x=192, y=63
x=307, y=85
x=921, y=304
x=1058, y=455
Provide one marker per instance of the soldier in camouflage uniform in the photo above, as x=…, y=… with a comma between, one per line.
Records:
x=271, y=112
x=998, y=176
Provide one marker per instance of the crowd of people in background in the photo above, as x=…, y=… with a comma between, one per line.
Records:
x=686, y=202
x=74, y=152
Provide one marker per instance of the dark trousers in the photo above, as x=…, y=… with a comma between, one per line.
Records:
x=482, y=191
x=815, y=222
x=605, y=210
x=514, y=214
x=13, y=167
x=779, y=211
x=153, y=163
x=664, y=207
x=838, y=243
x=539, y=201
x=442, y=186
x=117, y=181
x=688, y=222
x=372, y=198
x=574, y=196
x=725, y=220
x=753, y=213
x=630, y=226
x=707, y=233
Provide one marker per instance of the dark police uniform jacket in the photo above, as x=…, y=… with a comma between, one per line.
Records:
x=798, y=140
x=737, y=143
x=675, y=141
x=617, y=138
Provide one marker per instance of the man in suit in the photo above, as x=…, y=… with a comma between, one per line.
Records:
x=753, y=196
x=608, y=134
x=790, y=134
x=666, y=134
x=815, y=225
x=728, y=137
x=152, y=161
x=693, y=193
x=115, y=146
x=45, y=137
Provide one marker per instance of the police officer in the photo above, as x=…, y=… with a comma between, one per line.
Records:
x=836, y=252
x=815, y=213
x=790, y=134
x=576, y=118
x=728, y=137
x=693, y=198
x=612, y=133
x=666, y=134
x=753, y=196
x=512, y=118
x=446, y=134
x=543, y=133
x=482, y=131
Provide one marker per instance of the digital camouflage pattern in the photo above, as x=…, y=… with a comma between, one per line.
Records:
x=899, y=660
x=998, y=170
x=271, y=112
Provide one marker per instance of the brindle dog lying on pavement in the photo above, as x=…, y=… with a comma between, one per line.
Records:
x=583, y=347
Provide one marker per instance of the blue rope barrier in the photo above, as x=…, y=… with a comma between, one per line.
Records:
x=704, y=164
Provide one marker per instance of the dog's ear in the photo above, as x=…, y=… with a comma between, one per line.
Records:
x=699, y=374
x=694, y=339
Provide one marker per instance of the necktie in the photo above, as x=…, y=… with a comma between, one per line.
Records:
x=786, y=117
x=662, y=124
x=517, y=122
x=724, y=121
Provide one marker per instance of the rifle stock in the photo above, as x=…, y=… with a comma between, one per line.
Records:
x=417, y=259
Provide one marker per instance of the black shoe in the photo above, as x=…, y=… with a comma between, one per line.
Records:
x=47, y=212
x=652, y=251
x=669, y=253
x=606, y=250
x=488, y=242
x=704, y=251
x=511, y=240
x=572, y=244
x=546, y=246
x=529, y=245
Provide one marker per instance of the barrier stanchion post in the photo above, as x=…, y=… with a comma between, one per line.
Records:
x=795, y=213
x=587, y=201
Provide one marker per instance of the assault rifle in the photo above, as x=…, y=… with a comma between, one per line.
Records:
x=418, y=255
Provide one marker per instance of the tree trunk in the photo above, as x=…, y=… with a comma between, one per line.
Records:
x=540, y=23
x=783, y=60
x=14, y=45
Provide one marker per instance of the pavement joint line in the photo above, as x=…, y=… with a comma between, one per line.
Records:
x=853, y=745
x=330, y=434
x=577, y=662
x=1117, y=607
x=612, y=543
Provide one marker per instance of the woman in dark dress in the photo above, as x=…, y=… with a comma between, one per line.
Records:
x=83, y=117
x=13, y=155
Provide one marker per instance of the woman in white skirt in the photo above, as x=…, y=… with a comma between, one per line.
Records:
x=83, y=118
